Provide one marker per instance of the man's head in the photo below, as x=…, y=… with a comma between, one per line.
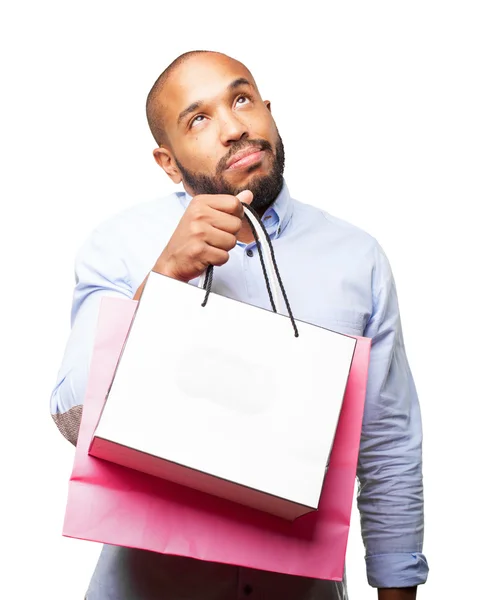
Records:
x=203, y=110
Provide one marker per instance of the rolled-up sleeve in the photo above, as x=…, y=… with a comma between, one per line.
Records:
x=390, y=496
x=99, y=271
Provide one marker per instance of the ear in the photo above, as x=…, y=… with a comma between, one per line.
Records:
x=164, y=158
x=267, y=103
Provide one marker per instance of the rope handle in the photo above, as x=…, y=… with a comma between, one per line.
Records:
x=264, y=244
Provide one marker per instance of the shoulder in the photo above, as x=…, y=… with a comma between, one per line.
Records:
x=351, y=238
x=133, y=222
x=134, y=218
x=113, y=240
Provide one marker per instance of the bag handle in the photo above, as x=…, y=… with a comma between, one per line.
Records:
x=272, y=277
x=264, y=251
x=265, y=255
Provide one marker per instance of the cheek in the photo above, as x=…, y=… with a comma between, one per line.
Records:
x=264, y=127
x=199, y=156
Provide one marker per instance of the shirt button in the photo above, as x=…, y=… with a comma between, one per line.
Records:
x=250, y=253
x=248, y=590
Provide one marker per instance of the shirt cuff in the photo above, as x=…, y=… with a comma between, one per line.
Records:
x=396, y=570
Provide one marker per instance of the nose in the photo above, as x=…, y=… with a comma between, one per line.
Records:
x=232, y=129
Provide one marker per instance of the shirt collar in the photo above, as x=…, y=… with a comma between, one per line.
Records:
x=282, y=208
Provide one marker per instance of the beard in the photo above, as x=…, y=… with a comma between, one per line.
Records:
x=265, y=188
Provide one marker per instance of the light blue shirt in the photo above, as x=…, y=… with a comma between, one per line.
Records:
x=336, y=276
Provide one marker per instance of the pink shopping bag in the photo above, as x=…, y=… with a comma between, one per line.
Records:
x=111, y=504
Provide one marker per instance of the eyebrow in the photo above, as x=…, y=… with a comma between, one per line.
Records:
x=198, y=104
x=238, y=82
x=191, y=108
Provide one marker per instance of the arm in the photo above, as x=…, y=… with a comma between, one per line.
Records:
x=205, y=234
x=99, y=271
x=390, y=496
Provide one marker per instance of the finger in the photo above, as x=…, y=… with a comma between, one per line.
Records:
x=246, y=196
x=227, y=204
x=220, y=239
x=216, y=256
x=225, y=222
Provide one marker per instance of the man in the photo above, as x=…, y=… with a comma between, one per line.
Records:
x=218, y=138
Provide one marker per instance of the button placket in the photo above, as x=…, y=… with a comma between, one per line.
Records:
x=248, y=271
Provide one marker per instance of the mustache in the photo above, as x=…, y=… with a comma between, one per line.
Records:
x=237, y=146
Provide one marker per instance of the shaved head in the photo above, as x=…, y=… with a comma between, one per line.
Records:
x=154, y=107
x=153, y=103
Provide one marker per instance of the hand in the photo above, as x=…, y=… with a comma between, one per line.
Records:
x=204, y=236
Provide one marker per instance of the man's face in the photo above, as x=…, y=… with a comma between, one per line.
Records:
x=222, y=138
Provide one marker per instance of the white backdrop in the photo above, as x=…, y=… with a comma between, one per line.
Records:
x=377, y=104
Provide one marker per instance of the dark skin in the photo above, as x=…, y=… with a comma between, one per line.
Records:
x=218, y=109
x=397, y=593
x=230, y=109
x=219, y=104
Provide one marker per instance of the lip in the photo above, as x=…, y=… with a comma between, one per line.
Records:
x=245, y=158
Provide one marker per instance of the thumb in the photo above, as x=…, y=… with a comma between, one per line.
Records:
x=245, y=196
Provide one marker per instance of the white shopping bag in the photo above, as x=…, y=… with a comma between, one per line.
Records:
x=191, y=403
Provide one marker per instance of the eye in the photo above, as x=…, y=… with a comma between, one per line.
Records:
x=195, y=121
x=246, y=99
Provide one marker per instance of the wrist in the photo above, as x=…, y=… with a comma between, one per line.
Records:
x=397, y=593
x=164, y=267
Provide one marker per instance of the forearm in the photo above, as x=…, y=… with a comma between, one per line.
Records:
x=139, y=291
x=390, y=459
x=99, y=271
x=391, y=500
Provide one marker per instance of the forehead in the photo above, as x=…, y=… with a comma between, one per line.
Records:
x=201, y=78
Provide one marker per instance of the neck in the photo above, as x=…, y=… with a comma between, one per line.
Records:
x=245, y=235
